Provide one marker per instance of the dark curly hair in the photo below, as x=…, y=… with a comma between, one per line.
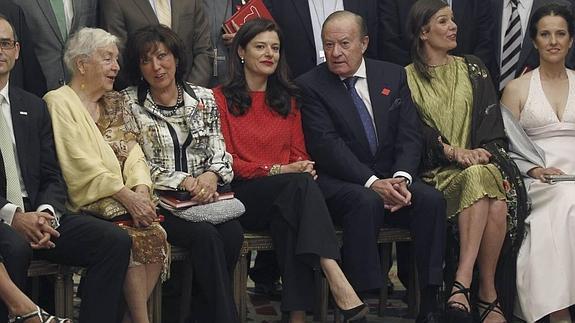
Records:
x=280, y=89
x=145, y=40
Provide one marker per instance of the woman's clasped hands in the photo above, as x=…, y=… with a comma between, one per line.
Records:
x=203, y=188
x=300, y=166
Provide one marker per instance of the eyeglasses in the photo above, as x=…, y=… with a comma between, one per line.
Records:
x=7, y=44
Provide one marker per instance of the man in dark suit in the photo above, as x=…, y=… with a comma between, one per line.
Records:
x=27, y=72
x=32, y=199
x=186, y=17
x=299, y=19
x=51, y=27
x=529, y=57
x=474, y=28
x=362, y=130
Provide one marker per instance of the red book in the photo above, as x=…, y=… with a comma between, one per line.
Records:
x=173, y=202
x=251, y=10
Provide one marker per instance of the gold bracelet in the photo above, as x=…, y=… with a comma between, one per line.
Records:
x=275, y=170
x=450, y=153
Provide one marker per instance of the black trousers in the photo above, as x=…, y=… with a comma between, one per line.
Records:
x=102, y=247
x=361, y=213
x=15, y=254
x=214, y=250
x=292, y=208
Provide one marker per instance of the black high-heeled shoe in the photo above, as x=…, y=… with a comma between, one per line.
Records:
x=457, y=312
x=484, y=308
x=354, y=314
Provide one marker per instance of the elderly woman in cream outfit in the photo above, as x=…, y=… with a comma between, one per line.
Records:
x=103, y=166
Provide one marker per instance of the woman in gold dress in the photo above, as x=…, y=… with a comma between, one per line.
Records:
x=104, y=167
x=464, y=157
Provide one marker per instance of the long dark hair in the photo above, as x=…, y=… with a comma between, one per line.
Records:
x=146, y=39
x=419, y=16
x=551, y=9
x=280, y=89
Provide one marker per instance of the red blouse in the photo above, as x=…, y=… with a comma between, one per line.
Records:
x=261, y=137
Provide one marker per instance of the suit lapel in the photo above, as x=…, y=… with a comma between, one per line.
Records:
x=47, y=11
x=147, y=10
x=77, y=4
x=380, y=102
x=341, y=101
x=498, y=24
x=20, y=126
x=302, y=9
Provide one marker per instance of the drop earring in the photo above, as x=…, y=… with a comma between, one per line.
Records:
x=242, y=60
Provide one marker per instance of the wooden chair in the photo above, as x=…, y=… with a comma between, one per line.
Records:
x=385, y=238
x=63, y=285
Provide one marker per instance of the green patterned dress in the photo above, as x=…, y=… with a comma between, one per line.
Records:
x=445, y=104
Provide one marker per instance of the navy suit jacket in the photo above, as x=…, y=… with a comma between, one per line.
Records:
x=36, y=152
x=474, y=29
x=334, y=133
x=294, y=19
x=529, y=58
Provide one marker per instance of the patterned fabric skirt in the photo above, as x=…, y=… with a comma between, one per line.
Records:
x=149, y=246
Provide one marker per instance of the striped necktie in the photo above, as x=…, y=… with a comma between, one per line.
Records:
x=163, y=12
x=13, y=189
x=511, y=47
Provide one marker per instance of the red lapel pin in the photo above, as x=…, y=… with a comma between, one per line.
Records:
x=385, y=91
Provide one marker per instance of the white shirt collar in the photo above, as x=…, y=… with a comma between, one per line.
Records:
x=361, y=73
x=5, y=94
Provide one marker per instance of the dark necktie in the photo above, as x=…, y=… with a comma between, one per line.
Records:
x=511, y=47
x=364, y=115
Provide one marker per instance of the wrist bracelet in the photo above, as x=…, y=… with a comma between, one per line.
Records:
x=275, y=170
x=450, y=153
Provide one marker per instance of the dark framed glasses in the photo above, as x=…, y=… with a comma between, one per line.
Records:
x=7, y=44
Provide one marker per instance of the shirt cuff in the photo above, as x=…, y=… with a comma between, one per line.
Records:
x=401, y=173
x=7, y=213
x=370, y=181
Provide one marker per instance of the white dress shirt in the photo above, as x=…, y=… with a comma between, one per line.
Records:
x=362, y=89
x=69, y=13
x=524, y=7
x=7, y=211
x=153, y=4
x=318, y=11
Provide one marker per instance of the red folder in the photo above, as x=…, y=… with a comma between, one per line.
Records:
x=251, y=10
x=179, y=204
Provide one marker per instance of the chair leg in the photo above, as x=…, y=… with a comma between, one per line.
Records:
x=384, y=256
x=240, y=286
x=322, y=295
x=413, y=288
x=60, y=295
x=69, y=290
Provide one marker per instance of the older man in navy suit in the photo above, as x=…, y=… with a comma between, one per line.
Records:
x=362, y=129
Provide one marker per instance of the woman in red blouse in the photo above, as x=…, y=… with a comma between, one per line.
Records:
x=274, y=177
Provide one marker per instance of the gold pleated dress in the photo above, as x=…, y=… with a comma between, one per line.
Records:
x=445, y=104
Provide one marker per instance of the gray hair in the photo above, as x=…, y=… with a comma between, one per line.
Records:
x=84, y=44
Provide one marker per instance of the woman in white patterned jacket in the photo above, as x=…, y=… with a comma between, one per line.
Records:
x=179, y=132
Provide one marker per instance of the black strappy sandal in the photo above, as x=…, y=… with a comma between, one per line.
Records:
x=457, y=312
x=484, y=308
x=38, y=313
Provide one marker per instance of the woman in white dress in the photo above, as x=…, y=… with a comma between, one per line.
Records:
x=542, y=133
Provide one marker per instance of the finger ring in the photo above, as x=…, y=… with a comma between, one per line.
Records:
x=202, y=191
